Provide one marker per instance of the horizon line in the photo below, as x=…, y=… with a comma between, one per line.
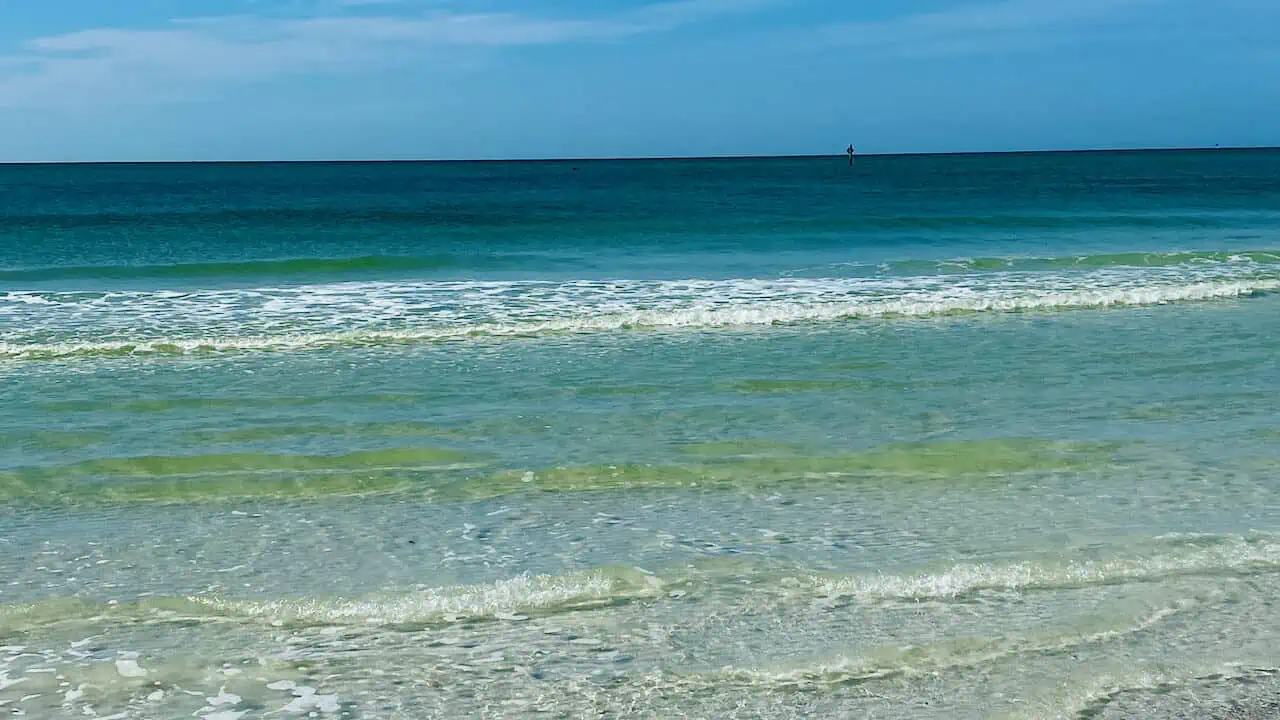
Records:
x=647, y=158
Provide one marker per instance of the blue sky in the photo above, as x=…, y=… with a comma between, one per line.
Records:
x=343, y=79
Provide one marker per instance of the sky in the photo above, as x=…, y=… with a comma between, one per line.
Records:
x=139, y=80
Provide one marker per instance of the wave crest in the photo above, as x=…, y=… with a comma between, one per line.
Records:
x=804, y=304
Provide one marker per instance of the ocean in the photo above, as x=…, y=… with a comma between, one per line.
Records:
x=970, y=436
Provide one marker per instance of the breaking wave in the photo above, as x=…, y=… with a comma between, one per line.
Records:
x=67, y=325
x=516, y=598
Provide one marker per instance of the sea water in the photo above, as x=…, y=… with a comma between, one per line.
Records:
x=952, y=437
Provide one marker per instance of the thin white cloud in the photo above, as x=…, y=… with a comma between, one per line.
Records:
x=680, y=12
x=970, y=27
x=168, y=62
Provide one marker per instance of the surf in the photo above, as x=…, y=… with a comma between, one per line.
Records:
x=447, y=312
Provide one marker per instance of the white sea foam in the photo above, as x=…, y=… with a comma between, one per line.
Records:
x=492, y=601
x=1226, y=554
x=171, y=322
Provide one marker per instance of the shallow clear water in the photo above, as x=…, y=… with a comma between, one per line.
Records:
x=932, y=437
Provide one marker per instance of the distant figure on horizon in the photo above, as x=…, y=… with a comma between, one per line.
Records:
x=850, y=151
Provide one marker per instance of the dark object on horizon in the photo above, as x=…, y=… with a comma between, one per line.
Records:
x=850, y=151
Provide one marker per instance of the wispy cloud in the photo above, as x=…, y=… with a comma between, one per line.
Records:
x=156, y=64
x=680, y=12
x=991, y=25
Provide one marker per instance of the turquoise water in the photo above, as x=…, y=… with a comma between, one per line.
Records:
x=966, y=436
